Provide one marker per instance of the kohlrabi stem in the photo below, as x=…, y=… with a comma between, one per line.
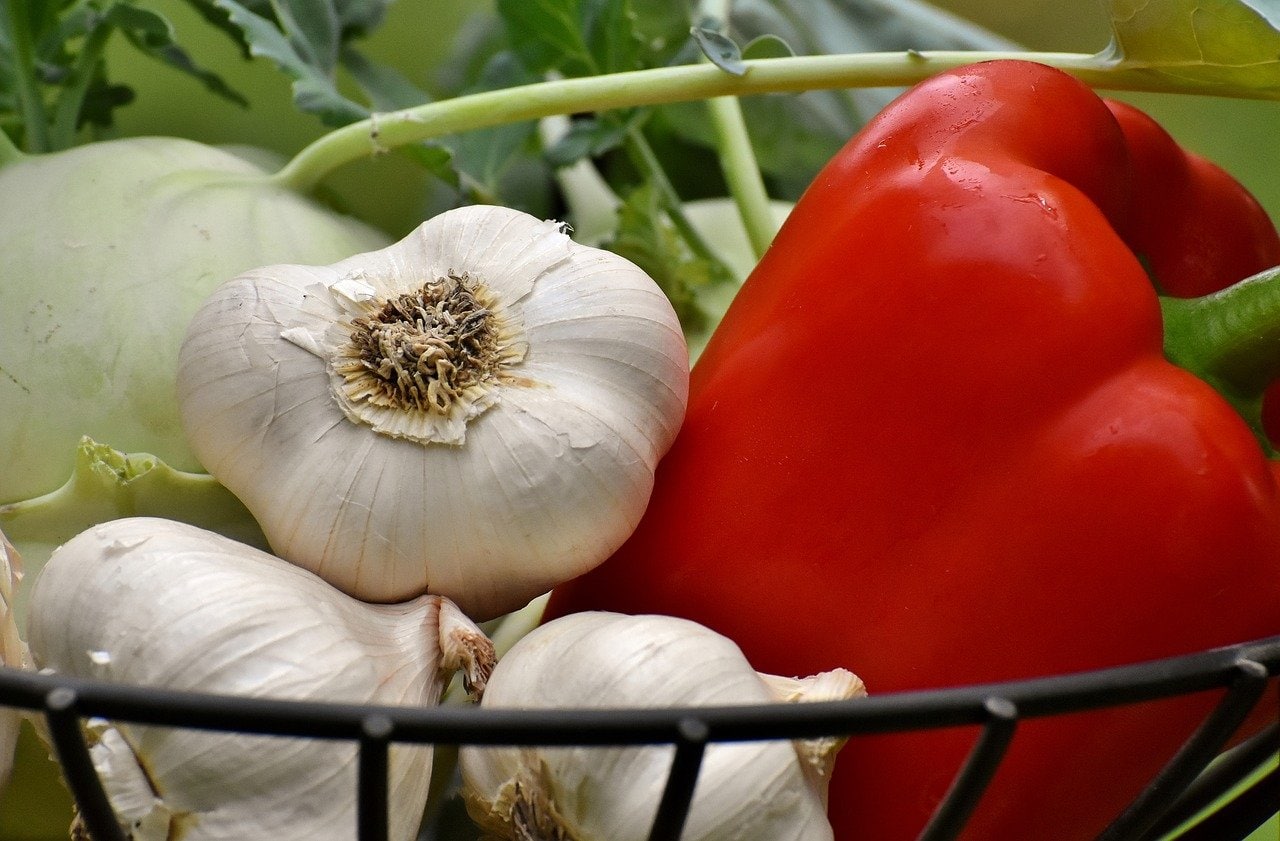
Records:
x=737, y=157
x=1231, y=339
x=26, y=88
x=676, y=84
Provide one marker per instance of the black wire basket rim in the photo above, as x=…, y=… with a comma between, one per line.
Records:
x=466, y=724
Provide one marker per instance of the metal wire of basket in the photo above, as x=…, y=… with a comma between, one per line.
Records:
x=1181, y=790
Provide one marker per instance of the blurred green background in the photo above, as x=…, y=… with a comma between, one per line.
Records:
x=395, y=194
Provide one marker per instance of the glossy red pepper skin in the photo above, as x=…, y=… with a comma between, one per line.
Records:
x=935, y=441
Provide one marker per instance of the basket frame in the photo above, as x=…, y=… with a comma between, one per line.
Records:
x=1179, y=791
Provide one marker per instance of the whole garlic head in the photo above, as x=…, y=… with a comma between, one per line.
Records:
x=152, y=602
x=768, y=789
x=475, y=411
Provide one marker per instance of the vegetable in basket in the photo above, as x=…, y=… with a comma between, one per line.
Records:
x=769, y=789
x=151, y=602
x=474, y=412
x=936, y=438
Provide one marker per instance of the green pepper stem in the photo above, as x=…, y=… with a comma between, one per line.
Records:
x=1230, y=338
x=685, y=83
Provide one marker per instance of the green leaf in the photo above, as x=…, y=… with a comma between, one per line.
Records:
x=312, y=29
x=360, y=17
x=154, y=36
x=387, y=88
x=314, y=89
x=572, y=37
x=593, y=136
x=1219, y=45
x=646, y=237
x=767, y=46
x=720, y=49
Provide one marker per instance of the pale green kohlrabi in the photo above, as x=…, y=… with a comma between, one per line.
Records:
x=108, y=248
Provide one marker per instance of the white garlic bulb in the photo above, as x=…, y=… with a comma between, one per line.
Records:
x=12, y=651
x=475, y=411
x=151, y=602
x=769, y=789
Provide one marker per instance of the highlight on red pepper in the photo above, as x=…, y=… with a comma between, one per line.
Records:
x=937, y=440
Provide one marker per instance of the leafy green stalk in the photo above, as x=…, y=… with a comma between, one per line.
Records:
x=685, y=83
x=66, y=114
x=647, y=161
x=27, y=89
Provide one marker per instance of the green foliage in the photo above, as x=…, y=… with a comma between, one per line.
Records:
x=53, y=81
x=647, y=237
x=1218, y=45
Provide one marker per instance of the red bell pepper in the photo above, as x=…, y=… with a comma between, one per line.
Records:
x=936, y=440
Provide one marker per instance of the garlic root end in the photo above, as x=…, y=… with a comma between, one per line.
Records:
x=465, y=648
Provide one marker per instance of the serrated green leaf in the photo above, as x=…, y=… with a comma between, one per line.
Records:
x=387, y=88
x=646, y=237
x=572, y=37
x=544, y=35
x=154, y=36
x=612, y=39
x=312, y=29
x=314, y=91
x=722, y=51
x=360, y=17
x=592, y=137
x=1219, y=45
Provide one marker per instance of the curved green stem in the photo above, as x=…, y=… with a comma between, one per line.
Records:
x=742, y=173
x=645, y=158
x=737, y=157
x=1231, y=339
x=670, y=84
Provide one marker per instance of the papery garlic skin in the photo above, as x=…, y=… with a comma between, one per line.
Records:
x=532, y=475
x=12, y=651
x=770, y=789
x=151, y=602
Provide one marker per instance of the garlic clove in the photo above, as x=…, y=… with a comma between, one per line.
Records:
x=475, y=411
x=12, y=650
x=758, y=789
x=818, y=756
x=152, y=602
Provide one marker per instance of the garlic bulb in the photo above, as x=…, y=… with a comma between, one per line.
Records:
x=769, y=789
x=12, y=651
x=152, y=602
x=475, y=411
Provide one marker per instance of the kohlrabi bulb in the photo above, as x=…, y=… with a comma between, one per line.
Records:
x=108, y=250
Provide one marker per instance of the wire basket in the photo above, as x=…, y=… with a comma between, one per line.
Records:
x=1182, y=789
